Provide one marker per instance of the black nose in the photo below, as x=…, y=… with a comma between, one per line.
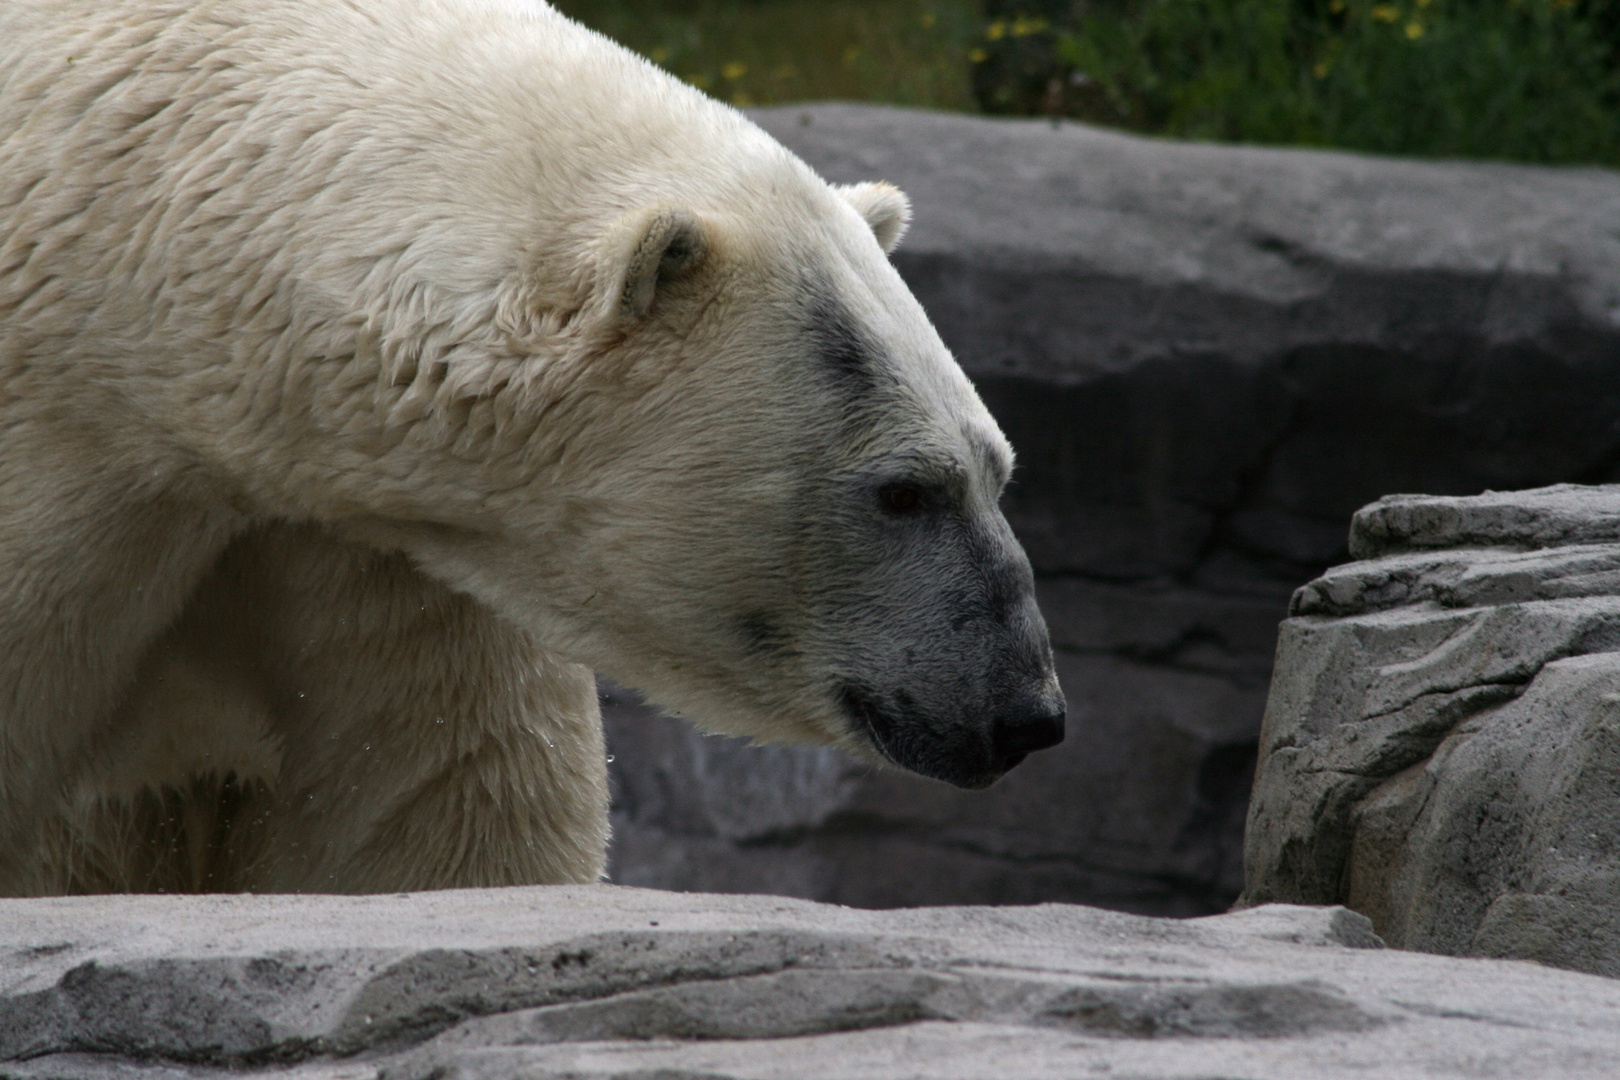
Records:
x=1020, y=734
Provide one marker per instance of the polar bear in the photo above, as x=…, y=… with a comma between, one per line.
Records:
x=371, y=372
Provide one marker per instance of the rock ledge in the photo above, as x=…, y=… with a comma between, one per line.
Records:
x=613, y=982
x=1441, y=745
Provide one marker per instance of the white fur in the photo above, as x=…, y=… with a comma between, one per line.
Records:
x=336, y=439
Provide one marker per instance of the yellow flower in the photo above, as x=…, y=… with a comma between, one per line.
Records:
x=1336, y=6
x=928, y=20
x=851, y=54
x=1023, y=27
x=1414, y=30
x=1321, y=69
x=734, y=70
x=1385, y=12
x=977, y=56
x=659, y=54
x=996, y=30
x=741, y=99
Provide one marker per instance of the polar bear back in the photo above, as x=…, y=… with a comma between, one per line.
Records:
x=354, y=150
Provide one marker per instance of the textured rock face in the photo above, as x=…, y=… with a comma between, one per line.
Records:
x=599, y=981
x=1441, y=747
x=1196, y=345
x=1207, y=358
x=1135, y=811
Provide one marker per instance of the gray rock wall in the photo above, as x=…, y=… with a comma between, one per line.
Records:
x=1207, y=358
x=1441, y=747
x=593, y=982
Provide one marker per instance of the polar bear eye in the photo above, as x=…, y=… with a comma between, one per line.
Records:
x=901, y=498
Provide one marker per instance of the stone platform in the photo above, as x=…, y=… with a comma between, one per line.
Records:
x=606, y=982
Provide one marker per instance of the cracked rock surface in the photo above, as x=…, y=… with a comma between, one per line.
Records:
x=1207, y=357
x=1441, y=747
x=601, y=981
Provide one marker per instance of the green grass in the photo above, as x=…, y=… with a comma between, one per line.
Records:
x=1526, y=80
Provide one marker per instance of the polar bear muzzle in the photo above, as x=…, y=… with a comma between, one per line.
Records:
x=943, y=664
x=906, y=737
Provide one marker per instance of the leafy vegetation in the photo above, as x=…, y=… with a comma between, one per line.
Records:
x=1532, y=80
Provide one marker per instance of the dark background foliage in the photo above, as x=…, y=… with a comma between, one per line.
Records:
x=1523, y=80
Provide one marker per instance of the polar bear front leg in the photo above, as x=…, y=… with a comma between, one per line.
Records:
x=425, y=743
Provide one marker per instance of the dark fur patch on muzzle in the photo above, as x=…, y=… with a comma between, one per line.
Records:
x=906, y=738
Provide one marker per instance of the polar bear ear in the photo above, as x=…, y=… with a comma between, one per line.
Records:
x=885, y=208
x=671, y=243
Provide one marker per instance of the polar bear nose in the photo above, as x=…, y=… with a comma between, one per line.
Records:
x=1034, y=727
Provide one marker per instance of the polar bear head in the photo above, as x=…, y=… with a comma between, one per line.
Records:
x=758, y=487
x=651, y=388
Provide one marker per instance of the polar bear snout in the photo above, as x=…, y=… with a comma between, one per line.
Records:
x=966, y=705
x=939, y=657
x=1036, y=725
x=972, y=750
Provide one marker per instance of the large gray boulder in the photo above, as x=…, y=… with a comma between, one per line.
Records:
x=1207, y=358
x=1441, y=748
x=1202, y=349
x=602, y=982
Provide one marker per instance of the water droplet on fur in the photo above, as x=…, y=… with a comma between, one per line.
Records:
x=438, y=719
x=610, y=759
x=366, y=747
